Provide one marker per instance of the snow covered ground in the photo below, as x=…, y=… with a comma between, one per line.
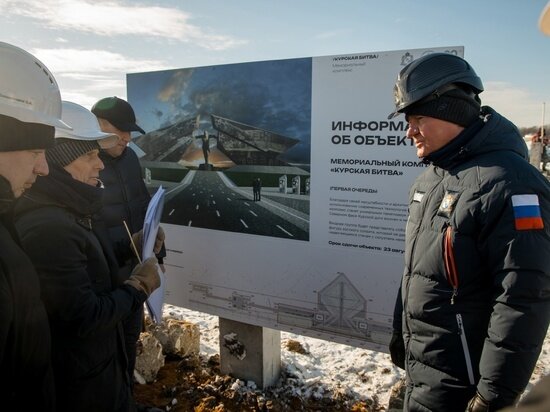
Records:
x=361, y=373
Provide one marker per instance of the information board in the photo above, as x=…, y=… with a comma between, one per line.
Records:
x=286, y=189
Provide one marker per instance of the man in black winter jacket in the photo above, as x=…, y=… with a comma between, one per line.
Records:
x=71, y=251
x=30, y=108
x=125, y=198
x=474, y=303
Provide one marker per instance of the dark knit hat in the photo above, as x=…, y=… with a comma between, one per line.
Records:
x=18, y=135
x=455, y=106
x=118, y=112
x=66, y=151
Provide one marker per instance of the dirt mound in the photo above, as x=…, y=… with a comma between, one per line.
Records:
x=195, y=384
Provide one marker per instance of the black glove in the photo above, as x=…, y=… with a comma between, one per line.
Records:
x=397, y=349
x=478, y=404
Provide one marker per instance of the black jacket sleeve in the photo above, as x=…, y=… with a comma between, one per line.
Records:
x=76, y=282
x=519, y=261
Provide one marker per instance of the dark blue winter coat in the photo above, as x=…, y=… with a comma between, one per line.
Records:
x=125, y=198
x=476, y=287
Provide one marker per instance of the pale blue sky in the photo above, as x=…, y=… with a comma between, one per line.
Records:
x=91, y=45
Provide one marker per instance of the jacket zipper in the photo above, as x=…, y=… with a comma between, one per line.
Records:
x=450, y=264
x=465, y=348
x=452, y=277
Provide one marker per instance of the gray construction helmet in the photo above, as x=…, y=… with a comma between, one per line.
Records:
x=433, y=75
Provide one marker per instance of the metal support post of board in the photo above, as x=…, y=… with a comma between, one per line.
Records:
x=250, y=353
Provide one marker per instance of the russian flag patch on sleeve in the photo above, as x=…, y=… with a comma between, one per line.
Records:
x=527, y=212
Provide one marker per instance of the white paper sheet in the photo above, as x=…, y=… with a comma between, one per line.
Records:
x=150, y=228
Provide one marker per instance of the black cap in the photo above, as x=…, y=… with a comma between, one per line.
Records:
x=118, y=112
x=456, y=106
x=17, y=135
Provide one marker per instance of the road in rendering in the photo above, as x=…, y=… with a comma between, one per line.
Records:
x=208, y=202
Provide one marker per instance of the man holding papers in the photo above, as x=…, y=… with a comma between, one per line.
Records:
x=125, y=198
x=85, y=299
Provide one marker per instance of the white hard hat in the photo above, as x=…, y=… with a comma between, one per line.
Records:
x=84, y=126
x=28, y=90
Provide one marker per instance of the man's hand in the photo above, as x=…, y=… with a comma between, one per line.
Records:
x=137, y=239
x=478, y=404
x=159, y=240
x=397, y=349
x=145, y=276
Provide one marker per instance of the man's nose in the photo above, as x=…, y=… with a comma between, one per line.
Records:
x=41, y=166
x=99, y=163
x=412, y=131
